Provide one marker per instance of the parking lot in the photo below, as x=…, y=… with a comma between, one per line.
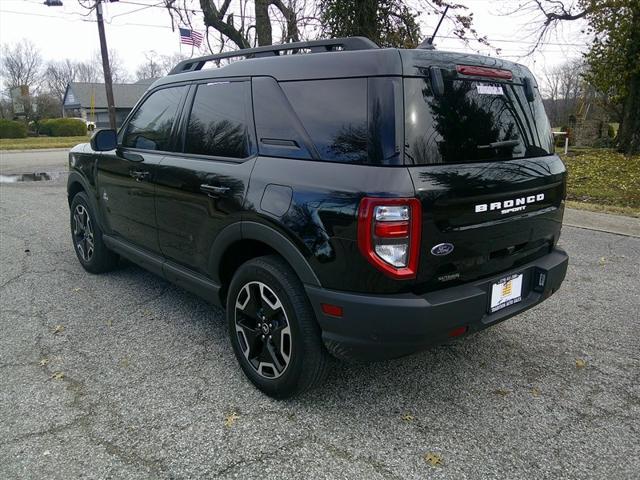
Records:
x=126, y=376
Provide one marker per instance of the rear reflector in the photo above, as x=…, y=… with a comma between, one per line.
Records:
x=392, y=229
x=456, y=332
x=333, y=310
x=484, y=72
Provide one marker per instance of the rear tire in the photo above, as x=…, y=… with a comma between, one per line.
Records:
x=93, y=254
x=273, y=329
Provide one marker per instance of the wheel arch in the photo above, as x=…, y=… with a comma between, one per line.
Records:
x=242, y=241
x=76, y=183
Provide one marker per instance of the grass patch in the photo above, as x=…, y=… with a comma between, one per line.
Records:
x=603, y=180
x=30, y=143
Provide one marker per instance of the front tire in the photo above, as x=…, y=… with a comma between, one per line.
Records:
x=273, y=329
x=93, y=254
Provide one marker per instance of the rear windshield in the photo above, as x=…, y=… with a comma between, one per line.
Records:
x=473, y=121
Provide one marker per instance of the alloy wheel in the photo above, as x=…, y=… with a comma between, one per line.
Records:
x=83, y=233
x=262, y=329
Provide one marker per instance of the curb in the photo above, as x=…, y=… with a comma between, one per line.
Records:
x=29, y=150
x=602, y=222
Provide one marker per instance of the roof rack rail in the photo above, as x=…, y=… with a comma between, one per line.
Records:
x=334, y=44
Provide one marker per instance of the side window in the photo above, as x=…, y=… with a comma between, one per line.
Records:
x=219, y=120
x=150, y=126
x=334, y=113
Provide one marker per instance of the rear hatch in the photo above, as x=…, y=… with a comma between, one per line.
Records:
x=480, y=154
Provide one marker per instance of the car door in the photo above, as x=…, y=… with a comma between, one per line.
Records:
x=127, y=175
x=202, y=189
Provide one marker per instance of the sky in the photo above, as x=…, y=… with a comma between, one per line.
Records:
x=135, y=27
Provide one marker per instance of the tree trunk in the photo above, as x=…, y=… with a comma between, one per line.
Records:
x=263, y=22
x=629, y=133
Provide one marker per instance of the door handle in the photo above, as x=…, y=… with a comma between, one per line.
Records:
x=213, y=191
x=139, y=175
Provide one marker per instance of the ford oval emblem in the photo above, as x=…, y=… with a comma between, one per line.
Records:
x=442, y=249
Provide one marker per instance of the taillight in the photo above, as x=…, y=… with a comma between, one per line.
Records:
x=389, y=234
x=484, y=72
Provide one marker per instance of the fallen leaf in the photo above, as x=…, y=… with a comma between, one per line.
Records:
x=58, y=329
x=408, y=417
x=580, y=363
x=602, y=261
x=230, y=419
x=535, y=391
x=58, y=376
x=434, y=459
x=503, y=392
x=44, y=362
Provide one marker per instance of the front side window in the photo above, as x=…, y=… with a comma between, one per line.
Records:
x=472, y=121
x=219, y=121
x=150, y=127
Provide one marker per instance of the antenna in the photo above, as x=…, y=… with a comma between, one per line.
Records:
x=428, y=43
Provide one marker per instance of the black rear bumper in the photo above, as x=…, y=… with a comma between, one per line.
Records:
x=376, y=327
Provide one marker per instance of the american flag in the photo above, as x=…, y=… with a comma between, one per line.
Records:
x=190, y=37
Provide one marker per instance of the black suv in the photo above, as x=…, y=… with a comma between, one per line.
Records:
x=337, y=198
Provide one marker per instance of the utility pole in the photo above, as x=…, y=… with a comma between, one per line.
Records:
x=106, y=68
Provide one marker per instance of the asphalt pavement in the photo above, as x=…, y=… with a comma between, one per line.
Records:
x=124, y=375
x=23, y=161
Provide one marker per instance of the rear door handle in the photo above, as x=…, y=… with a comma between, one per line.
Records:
x=139, y=175
x=213, y=191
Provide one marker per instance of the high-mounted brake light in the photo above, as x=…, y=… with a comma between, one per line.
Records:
x=389, y=234
x=484, y=72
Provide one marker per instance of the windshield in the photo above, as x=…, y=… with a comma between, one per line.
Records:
x=472, y=121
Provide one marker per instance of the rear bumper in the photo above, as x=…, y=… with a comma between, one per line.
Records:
x=376, y=327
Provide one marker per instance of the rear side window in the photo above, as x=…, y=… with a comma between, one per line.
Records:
x=472, y=121
x=334, y=114
x=219, y=121
x=150, y=127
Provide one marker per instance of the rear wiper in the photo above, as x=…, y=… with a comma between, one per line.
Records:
x=505, y=143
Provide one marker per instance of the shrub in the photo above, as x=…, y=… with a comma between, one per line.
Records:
x=63, y=127
x=12, y=129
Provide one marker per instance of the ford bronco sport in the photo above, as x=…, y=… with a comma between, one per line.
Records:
x=338, y=199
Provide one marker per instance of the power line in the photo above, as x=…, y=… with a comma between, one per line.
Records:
x=67, y=17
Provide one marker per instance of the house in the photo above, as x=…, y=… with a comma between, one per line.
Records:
x=89, y=100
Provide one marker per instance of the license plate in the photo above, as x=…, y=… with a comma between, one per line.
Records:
x=506, y=292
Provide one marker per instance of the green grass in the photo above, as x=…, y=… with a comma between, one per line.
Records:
x=40, y=142
x=603, y=180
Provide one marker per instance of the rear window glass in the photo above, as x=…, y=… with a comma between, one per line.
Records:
x=473, y=121
x=334, y=114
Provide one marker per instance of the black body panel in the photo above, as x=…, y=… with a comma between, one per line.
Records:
x=253, y=160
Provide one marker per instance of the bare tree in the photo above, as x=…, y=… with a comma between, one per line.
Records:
x=58, y=75
x=88, y=72
x=156, y=65
x=21, y=65
x=241, y=27
x=563, y=88
x=119, y=72
x=151, y=68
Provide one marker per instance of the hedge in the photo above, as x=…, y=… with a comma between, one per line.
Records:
x=63, y=127
x=12, y=129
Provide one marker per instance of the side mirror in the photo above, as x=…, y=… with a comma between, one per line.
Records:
x=104, y=140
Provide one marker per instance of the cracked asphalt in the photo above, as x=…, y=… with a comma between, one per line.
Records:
x=126, y=376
